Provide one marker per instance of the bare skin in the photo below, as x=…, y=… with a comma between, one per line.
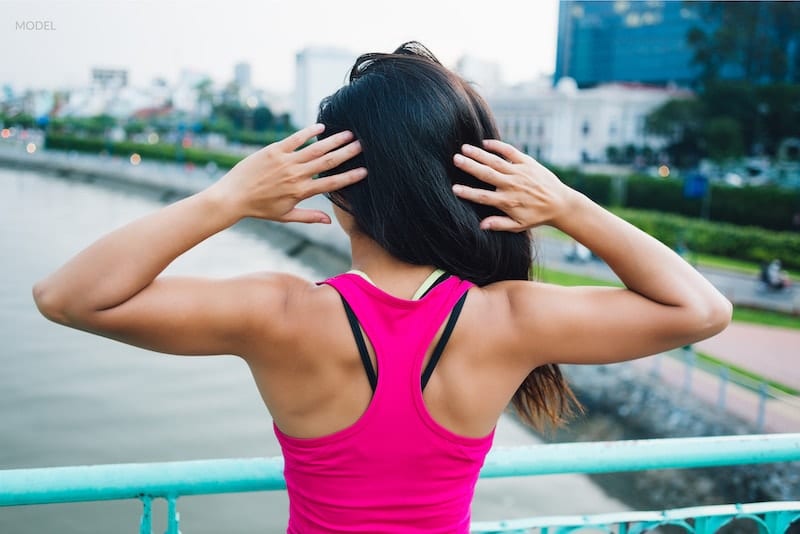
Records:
x=294, y=334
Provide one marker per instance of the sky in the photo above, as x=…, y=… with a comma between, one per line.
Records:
x=159, y=38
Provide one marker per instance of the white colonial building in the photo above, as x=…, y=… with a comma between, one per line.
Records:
x=564, y=125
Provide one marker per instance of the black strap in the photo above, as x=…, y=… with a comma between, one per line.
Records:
x=439, y=349
x=362, y=347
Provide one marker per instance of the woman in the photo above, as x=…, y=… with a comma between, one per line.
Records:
x=384, y=385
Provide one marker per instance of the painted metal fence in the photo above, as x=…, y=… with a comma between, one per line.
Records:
x=171, y=480
x=763, y=391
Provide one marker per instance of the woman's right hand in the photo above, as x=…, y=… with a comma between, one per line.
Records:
x=527, y=192
x=269, y=183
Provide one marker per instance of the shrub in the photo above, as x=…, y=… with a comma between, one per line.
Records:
x=166, y=152
x=747, y=243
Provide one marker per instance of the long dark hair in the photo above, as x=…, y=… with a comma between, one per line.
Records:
x=411, y=115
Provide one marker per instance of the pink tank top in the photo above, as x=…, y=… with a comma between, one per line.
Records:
x=395, y=470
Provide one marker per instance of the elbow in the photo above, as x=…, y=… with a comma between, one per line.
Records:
x=48, y=304
x=716, y=315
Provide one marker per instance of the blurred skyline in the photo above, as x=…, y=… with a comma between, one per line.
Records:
x=158, y=39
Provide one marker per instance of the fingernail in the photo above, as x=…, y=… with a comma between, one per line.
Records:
x=458, y=189
x=467, y=148
x=458, y=158
x=486, y=226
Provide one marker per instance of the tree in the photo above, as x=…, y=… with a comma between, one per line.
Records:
x=680, y=121
x=753, y=41
x=723, y=139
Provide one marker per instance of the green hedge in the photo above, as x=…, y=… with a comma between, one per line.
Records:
x=166, y=152
x=765, y=206
x=747, y=243
x=595, y=186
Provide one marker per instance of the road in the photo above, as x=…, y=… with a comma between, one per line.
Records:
x=740, y=288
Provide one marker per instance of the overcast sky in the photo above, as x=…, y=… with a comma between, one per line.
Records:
x=158, y=38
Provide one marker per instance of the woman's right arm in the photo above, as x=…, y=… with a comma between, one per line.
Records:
x=666, y=303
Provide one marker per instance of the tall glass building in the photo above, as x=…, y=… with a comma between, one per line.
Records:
x=625, y=41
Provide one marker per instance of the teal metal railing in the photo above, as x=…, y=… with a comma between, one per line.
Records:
x=171, y=480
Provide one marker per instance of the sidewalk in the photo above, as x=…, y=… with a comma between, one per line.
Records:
x=767, y=350
x=779, y=415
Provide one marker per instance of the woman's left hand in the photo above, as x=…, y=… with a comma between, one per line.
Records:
x=269, y=183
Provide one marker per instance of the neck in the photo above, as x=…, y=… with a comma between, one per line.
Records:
x=389, y=273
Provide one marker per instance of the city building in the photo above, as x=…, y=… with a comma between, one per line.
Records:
x=484, y=75
x=109, y=79
x=318, y=73
x=187, y=96
x=565, y=125
x=625, y=41
x=242, y=75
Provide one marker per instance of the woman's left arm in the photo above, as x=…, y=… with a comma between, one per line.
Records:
x=111, y=288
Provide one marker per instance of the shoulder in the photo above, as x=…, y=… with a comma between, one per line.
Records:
x=280, y=305
x=514, y=313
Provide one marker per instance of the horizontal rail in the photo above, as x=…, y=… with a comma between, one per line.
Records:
x=200, y=477
x=774, y=517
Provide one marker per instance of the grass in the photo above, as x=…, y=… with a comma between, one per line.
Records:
x=730, y=264
x=568, y=279
x=766, y=317
x=708, y=361
x=740, y=314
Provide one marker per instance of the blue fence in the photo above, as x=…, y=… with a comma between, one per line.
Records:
x=171, y=480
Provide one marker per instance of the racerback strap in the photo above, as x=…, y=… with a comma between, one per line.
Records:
x=372, y=374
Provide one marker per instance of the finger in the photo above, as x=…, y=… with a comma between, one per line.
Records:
x=504, y=149
x=335, y=182
x=479, y=170
x=477, y=195
x=332, y=159
x=320, y=148
x=306, y=216
x=487, y=158
x=501, y=224
x=297, y=139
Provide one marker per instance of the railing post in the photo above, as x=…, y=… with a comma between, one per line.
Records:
x=655, y=371
x=173, y=516
x=146, y=523
x=689, y=368
x=723, y=385
x=762, y=406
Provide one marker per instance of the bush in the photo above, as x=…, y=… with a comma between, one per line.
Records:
x=742, y=242
x=765, y=206
x=126, y=148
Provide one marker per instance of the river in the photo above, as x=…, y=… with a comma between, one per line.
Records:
x=69, y=398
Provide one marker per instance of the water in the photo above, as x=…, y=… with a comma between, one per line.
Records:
x=69, y=398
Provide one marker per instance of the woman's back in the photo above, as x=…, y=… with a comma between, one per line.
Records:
x=395, y=469
x=320, y=386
